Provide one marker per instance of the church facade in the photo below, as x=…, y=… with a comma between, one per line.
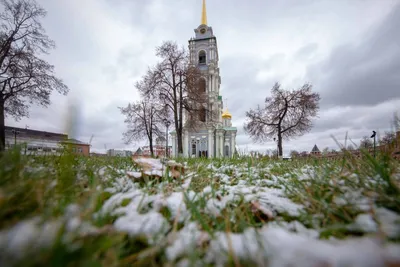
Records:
x=216, y=137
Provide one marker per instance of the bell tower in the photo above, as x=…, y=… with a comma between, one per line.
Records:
x=203, y=50
x=214, y=135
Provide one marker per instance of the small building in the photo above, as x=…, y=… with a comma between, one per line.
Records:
x=315, y=151
x=77, y=146
x=158, y=150
x=119, y=153
x=138, y=152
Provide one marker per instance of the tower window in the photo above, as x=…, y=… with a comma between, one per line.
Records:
x=202, y=85
x=202, y=114
x=202, y=57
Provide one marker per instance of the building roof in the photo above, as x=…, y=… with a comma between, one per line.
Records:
x=315, y=149
x=24, y=132
x=230, y=128
x=75, y=141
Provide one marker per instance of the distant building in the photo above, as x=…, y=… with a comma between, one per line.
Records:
x=41, y=142
x=77, y=146
x=119, y=153
x=160, y=141
x=94, y=154
x=315, y=151
x=138, y=152
x=159, y=150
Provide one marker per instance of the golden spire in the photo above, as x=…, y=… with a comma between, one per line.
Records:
x=204, y=14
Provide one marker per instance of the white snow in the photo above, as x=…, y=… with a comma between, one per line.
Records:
x=186, y=240
x=134, y=174
x=283, y=248
x=389, y=221
x=175, y=203
x=156, y=164
x=152, y=224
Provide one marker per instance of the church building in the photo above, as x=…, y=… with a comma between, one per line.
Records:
x=216, y=137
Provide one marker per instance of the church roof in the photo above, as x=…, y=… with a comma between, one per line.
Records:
x=230, y=128
x=315, y=149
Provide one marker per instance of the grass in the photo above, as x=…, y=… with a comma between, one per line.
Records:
x=332, y=194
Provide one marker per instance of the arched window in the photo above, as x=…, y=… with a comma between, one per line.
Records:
x=194, y=148
x=202, y=85
x=226, y=151
x=202, y=114
x=202, y=57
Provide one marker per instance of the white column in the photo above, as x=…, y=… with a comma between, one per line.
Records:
x=209, y=143
x=232, y=143
x=215, y=85
x=221, y=145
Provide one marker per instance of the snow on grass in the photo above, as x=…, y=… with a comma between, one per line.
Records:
x=284, y=248
x=186, y=240
x=152, y=224
x=310, y=215
x=27, y=235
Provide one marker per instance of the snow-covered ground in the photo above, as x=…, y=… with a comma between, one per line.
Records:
x=181, y=231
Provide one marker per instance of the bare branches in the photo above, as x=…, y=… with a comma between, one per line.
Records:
x=24, y=77
x=366, y=142
x=143, y=120
x=285, y=114
x=388, y=138
x=174, y=84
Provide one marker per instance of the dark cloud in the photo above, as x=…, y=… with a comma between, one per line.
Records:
x=363, y=74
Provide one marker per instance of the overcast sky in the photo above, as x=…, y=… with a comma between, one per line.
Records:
x=348, y=49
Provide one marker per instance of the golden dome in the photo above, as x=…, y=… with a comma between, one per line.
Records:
x=226, y=115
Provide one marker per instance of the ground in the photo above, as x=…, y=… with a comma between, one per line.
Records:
x=74, y=211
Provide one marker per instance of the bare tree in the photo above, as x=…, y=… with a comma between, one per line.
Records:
x=24, y=77
x=294, y=153
x=396, y=122
x=325, y=151
x=388, y=138
x=143, y=121
x=366, y=142
x=286, y=114
x=178, y=86
x=350, y=147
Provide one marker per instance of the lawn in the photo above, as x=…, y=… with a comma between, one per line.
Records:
x=75, y=211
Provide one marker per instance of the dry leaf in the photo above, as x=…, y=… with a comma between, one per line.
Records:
x=260, y=211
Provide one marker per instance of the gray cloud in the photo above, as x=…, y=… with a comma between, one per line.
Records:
x=365, y=73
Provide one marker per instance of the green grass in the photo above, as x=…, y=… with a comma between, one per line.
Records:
x=46, y=186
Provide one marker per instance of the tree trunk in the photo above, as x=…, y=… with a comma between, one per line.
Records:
x=180, y=142
x=279, y=143
x=180, y=122
x=2, y=125
x=151, y=147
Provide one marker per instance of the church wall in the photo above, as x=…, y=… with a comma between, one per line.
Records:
x=201, y=139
